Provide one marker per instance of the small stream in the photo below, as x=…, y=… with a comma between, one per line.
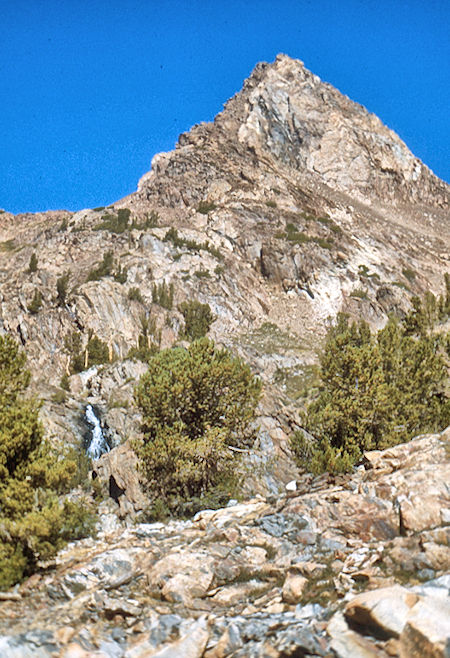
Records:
x=98, y=444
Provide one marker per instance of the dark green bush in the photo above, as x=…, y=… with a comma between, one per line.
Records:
x=64, y=382
x=62, y=286
x=146, y=346
x=115, y=223
x=409, y=274
x=177, y=241
x=202, y=274
x=151, y=221
x=121, y=274
x=204, y=207
x=104, y=269
x=134, y=295
x=34, y=524
x=33, y=264
x=73, y=347
x=197, y=318
x=359, y=293
x=97, y=351
x=195, y=403
x=376, y=390
x=36, y=303
x=162, y=294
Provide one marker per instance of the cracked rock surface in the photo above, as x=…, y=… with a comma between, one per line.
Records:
x=328, y=570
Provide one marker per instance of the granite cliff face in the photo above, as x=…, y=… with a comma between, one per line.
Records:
x=287, y=117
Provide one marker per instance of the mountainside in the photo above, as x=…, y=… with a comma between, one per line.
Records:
x=293, y=205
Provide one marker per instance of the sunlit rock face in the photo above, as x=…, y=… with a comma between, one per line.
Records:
x=294, y=204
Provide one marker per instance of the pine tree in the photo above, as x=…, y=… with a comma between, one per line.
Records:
x=34, y=525
x=195, y=403
x=377, y=390
x=33, y=265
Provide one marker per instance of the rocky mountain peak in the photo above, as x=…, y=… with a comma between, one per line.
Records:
x=287, y=116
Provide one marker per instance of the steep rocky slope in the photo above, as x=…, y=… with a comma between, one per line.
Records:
x=353, y=567
x=293, y=204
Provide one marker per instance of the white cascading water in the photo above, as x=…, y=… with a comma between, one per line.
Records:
x=98, y=444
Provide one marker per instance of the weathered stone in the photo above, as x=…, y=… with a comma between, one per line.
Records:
x=118, y=472
x=346, y=643
x=190, y=645
x=293, y=588
x=383, y=611
x=426, y=633
x=182, y=576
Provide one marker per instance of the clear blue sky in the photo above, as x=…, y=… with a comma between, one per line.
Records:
x=91, y=90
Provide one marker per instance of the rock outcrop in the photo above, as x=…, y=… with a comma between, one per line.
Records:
x=327, y=570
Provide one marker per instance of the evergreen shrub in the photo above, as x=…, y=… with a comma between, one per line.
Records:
x=34, y=523
x=197, y=404
x=378, y=390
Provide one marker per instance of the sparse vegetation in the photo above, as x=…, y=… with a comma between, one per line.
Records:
x=151, y=221
x=191, y=245
x=115, y=222
x=64, y=382
x=293, y=235
x=146, y=346
x=409, y=274
x=33, y=264
x=96, y=352
x=36, y=303
x=64, y=225
x=197, y=318
x=145, y=349
x=202, y=274
x=329, y=223
x=204, y=207
x=162, y=294
x=7, y=245
x=134, y=295
x=73, y=347
x=62, y=286
x=121, y=274
x=359, y=293
x=104, y=269
x=59, y=397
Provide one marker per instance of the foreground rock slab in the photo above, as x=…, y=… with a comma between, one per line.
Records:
x=326, y=570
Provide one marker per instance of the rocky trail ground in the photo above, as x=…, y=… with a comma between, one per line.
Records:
x=351, y=566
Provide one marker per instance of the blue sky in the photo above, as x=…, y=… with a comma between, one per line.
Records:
x=90, y=91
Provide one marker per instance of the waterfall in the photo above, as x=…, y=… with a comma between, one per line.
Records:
x=98, y=444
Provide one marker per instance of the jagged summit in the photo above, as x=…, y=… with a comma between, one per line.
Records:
x=286, y=118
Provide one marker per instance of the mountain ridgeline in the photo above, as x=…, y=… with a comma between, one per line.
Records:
x=269, y=305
